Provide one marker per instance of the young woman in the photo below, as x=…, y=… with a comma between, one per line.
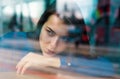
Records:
x=54, y=38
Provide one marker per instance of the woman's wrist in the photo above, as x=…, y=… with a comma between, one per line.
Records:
x=54, y=62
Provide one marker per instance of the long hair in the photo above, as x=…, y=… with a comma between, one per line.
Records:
x=44, y=17
x=79, y=24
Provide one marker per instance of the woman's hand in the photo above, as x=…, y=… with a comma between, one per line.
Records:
x=36, y=61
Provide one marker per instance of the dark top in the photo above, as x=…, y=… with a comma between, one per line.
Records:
x=92, y=67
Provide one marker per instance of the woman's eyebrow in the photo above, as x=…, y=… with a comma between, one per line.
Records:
x=51, y=29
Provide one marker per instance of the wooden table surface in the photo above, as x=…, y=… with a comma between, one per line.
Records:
x=9, y=58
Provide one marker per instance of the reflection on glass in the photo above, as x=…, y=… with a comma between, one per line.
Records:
x=70, y=35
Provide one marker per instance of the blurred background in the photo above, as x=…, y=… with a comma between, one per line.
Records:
x=102, y=18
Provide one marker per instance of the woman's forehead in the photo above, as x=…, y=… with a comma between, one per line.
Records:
x=54, y=19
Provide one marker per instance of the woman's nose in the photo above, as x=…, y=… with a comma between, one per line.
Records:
x=54, y=42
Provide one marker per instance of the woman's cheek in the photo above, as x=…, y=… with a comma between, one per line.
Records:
x=62, y=48
x=44, y=37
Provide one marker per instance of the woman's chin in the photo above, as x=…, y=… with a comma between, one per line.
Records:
x=48, y=55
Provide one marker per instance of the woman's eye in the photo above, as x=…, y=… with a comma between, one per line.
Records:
x=64, y=38
x=50, y=33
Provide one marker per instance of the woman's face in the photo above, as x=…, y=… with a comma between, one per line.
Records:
x=52, y=32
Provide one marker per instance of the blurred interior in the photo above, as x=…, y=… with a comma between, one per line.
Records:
x=102, y=19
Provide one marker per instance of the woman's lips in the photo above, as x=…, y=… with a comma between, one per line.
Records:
x=50, y=52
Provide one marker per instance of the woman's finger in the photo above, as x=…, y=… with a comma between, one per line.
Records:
x=27, y=65
x=20, y=65
x=22, y=61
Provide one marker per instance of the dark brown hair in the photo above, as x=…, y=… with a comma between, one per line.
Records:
x=78, y=23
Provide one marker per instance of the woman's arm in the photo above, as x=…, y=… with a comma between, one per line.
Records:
x=92, y=67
